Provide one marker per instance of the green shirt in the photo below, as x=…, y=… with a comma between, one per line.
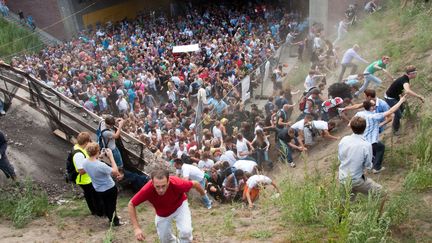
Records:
x=371, y=68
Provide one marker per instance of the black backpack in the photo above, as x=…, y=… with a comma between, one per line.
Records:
x=71, y=172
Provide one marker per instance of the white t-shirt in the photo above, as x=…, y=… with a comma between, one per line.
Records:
x=122, y=105
x=205, y=164
x=192, y=172
x=79, y=160
x=298, y=125
x=242, y=147
x=228, y=156
x=309, y=82
x=245, y=165
x=254, y=180
x=320, y=125
x=217, y=133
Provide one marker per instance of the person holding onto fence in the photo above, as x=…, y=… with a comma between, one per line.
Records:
x=168, y=196
x=355, y=156
x=369, y=73
x=110, y=134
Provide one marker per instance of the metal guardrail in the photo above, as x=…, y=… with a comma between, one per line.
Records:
x=67, y=115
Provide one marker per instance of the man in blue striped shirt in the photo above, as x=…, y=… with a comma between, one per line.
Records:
x=373, y=122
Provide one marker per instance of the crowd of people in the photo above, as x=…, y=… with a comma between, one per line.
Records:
x=127, y=70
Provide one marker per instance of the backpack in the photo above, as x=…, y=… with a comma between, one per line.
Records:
x=304, y=98
x=71, y=172
x=99, y=138
x=280, y=114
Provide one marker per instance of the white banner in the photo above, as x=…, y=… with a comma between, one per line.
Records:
x=186, y=48
x=245, y=88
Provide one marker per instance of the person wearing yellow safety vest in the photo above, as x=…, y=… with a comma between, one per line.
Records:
x=83, y=179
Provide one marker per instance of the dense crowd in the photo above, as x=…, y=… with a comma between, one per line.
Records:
x=128, y=70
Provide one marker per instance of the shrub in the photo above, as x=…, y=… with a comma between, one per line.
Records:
x=17, y=40
x=21, y=202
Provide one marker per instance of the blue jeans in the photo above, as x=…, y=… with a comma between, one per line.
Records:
x=367, y=79
x=262, y=156
x=397, y=115
x=117, y=157
x=1, y=106
x=378, y=149
x=285, y=152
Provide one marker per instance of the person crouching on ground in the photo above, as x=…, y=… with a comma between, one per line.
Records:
x=355, y=156
x=253, y=186
x=100, y=174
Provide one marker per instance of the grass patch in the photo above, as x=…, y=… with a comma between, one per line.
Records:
x=22, y=202
x=228, y=223
x=15, y=39
x=297, y=75
x=262, y=234
x=73, y=209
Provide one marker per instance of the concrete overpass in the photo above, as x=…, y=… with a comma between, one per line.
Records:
x=64, y=18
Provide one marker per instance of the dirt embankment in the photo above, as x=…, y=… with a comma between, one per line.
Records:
x=33, y=149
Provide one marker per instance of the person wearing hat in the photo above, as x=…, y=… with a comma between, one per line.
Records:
x=399, y=86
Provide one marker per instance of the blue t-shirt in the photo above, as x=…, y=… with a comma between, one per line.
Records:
x=100, y=173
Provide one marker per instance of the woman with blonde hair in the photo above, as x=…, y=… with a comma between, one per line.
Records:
x=100, y=174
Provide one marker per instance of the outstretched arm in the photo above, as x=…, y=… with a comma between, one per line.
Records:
x=139, y=235
x=409, y=91
x=326, y=134
x=396, y=107
x=198, y=188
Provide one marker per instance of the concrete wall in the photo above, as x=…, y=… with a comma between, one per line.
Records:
x=336, y=11
x=330, y=12
x=318, y=12
x=113, y=10
x=45, y=13
x=75, y=15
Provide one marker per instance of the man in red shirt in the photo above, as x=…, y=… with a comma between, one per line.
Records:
x=167, y=194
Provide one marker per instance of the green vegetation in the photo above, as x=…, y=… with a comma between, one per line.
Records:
x=17, y=40
x=262, y=234
x=74, y=208
x=298, y=74
x=21, y=202
x=316, y=208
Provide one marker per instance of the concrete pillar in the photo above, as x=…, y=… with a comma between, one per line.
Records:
x=70, y=23
x=318, y=12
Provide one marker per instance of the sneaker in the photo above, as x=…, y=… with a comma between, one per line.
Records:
x=378, y=171
x=119, y=223
x=2, y=113
x=292, y=164
x=209, y=205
